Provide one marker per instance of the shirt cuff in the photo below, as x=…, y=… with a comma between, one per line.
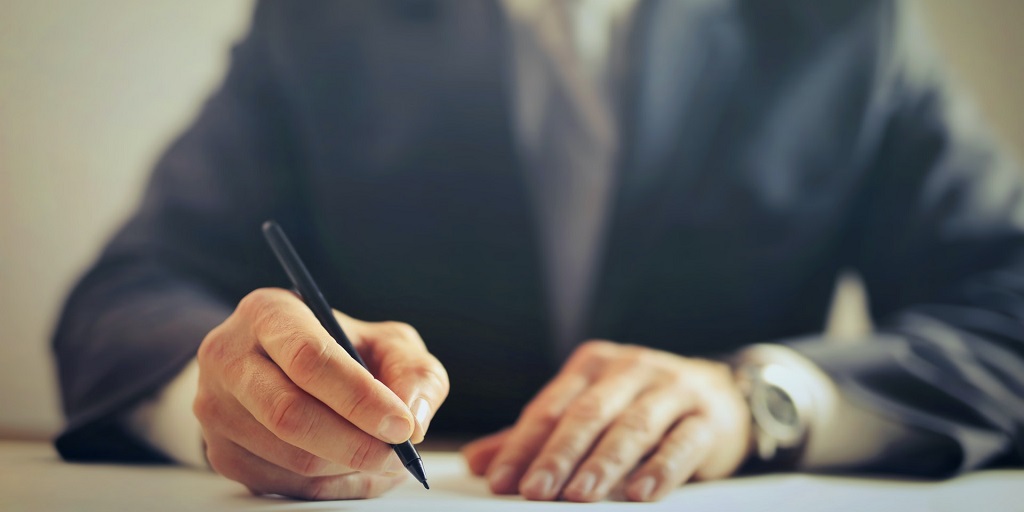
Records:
x=840, y=434
x=167, y=423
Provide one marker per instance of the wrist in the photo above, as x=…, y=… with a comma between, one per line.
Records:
x=780, y=397
x=779, y=409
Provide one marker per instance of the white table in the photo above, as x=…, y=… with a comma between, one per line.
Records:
x=32, y=478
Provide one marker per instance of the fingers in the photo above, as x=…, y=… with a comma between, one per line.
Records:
x=289, y=333
x=479, y=453
x=539, y=419
x=580, y=427
x=285, y=410
x=630, y=437
x=678, y=456
x=228, y=420
x=302, y=421
x=400, y=359
x=616, y=415
x=262, y=477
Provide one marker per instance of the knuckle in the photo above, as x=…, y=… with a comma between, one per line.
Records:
x=403, y=331
x=238, y=370
x=430, y=372
x=688, y=441
x=637, y=423
x=679, y=380
x=285, y=416
x=697, y=433
x=605, y=461
x=350, y=403
x=307, y=464
x=593, y=352
x=256, y=304
x=214, y=346
x=633, y=355
x=306, y=356
x=543, y=412
x=368, y=454
x=441, y=375
x=207, y=349
x=242, y=378
x=218, y=362
x=588, y=408
x=593, y=348
x=204, y=407
x=316, y=489
x=262, y=311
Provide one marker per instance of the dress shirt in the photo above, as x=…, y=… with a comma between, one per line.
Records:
x=568, y=57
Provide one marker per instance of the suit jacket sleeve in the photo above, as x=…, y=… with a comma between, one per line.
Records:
x=179, y=265
x=938, y=236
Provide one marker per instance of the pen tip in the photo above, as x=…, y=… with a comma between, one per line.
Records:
x=415, y=467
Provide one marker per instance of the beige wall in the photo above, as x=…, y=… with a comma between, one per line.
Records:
x=983, y=43
x=91, y=91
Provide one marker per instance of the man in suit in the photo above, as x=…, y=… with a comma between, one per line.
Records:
x=511, y=178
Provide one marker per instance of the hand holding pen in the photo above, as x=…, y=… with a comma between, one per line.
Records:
x=286, y=410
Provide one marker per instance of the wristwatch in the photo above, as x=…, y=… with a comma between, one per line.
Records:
x=780, y=409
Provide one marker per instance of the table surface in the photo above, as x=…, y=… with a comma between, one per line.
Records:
x=33, y=478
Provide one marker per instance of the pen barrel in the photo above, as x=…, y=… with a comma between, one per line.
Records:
x=406, y=453
x=304, y=284
x=412, y=461
x=314, y=299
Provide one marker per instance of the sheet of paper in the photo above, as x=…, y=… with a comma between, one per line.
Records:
x=33, y=478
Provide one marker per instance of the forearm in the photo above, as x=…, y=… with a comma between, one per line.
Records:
x=126, y=331
x=949, y=424
x=936, y=235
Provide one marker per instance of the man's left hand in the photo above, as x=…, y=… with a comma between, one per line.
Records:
x=616, y=415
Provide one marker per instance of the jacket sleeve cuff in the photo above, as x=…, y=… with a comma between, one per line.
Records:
x=841, y=434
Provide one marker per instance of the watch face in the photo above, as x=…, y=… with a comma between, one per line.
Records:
x=776, y=414
x=780, y=406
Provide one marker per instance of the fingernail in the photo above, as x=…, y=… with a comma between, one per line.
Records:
x=643, y=489
x=421, y=410
x=539, y=484
x=394, y=429
x=501, y=479
x=583, y=484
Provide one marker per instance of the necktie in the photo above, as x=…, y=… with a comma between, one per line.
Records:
x=570, y=148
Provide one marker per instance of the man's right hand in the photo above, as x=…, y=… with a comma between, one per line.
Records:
x=285, y=410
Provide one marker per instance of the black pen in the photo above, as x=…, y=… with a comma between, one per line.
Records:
x=314, y=299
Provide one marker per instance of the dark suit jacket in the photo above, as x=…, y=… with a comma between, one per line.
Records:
x=768, y=145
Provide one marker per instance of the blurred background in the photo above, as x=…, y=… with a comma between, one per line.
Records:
x=91, y=93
